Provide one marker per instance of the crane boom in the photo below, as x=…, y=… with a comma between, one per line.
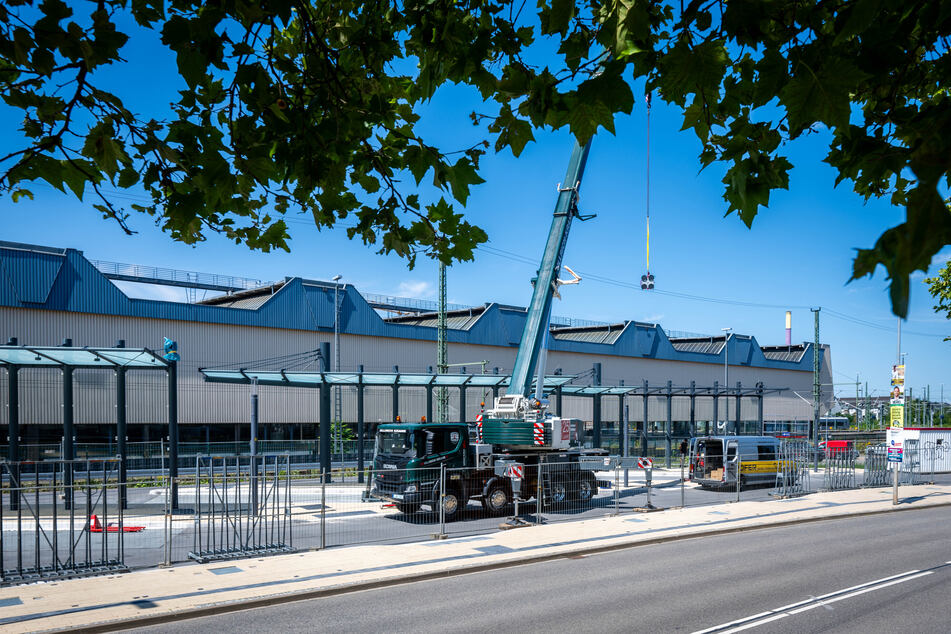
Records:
x=539, y=311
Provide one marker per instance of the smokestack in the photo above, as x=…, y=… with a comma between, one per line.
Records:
x=788, y=327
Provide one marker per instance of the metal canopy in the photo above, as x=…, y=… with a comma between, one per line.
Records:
x=61, y=356
x=662, y=390
x=292, y=378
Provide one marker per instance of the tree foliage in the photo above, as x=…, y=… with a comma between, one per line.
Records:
x=295, y=105
x=940, y=288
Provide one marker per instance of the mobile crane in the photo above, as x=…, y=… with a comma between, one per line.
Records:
x=518, y=430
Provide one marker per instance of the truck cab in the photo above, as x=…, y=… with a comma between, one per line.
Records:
x=407, y=460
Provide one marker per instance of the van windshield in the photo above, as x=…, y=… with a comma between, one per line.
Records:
x=395, y=443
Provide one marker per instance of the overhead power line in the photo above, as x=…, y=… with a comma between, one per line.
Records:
x=712, y=300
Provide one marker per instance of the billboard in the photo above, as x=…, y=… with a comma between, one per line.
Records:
x=897, y=398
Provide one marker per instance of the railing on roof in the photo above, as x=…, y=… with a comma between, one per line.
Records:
x=175, y=277
x=231, y=283
x=408, y=303
x=684, y=334
x=574, y=322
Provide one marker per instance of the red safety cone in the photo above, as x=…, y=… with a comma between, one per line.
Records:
x=94, y=524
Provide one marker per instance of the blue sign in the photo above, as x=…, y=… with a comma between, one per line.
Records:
x=894, y=454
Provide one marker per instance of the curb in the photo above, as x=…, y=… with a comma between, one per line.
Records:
x=345, y=588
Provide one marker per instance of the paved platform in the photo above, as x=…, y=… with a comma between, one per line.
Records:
x=151, y=596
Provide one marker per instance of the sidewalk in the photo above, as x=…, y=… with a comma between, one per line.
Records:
x=150, y=596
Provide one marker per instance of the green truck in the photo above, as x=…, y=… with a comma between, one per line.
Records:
x=409, y=458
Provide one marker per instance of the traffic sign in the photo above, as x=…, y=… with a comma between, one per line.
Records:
x=645, y=463
x=895, y=454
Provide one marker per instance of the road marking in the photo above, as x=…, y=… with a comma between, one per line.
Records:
x=810, y=604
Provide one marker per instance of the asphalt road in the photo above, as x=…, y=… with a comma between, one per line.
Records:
x=880, y=573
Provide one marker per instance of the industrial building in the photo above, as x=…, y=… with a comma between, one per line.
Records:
x=49, y=295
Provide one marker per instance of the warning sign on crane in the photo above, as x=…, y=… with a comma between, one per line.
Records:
x=514, y=471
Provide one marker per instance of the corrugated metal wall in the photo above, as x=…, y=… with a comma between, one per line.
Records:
x=206, y=345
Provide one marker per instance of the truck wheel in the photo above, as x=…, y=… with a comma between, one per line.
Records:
x=496, y=500
x=452, y=505
x=558, y=493
x=587, y=488
x=407, y=509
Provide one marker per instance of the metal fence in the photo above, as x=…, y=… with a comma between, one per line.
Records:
x=876, y=472
x=153, y=455
x=242, y=506
x=233, y=506
x=792, y=473
x=936, y=456
x=911, y=463
x=64, y=520
x=839, y=469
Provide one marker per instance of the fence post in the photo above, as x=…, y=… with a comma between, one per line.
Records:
x=683, y=493
x=538, y=494
x=442, y=500
x=168, y=521
x=739, y=469
x=196, y=538
x=617, y=488
x=647, y=476
x=934, y=452
x=323, y=509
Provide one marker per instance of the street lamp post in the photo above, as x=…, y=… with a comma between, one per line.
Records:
x=337, y=404
x=726, y=374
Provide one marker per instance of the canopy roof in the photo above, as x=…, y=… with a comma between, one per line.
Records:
x=85, y=357
x=293, y=378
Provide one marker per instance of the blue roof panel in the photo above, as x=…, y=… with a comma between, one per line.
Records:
x=64, y=280
x=30, y=274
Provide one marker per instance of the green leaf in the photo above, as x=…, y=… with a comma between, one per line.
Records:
x=128, y=177
x=820, y=94
x=21, y=193
x=461, y=177
x=515, y=135
x=861, y=15
x=686, y=70
x=557, y=17
x=192, y=66
x=75, y=179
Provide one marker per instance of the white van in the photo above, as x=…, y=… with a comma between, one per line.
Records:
x=716, y=461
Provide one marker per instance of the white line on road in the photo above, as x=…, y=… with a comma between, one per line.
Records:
x=809, y=604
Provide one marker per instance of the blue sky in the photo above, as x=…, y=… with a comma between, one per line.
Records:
x=797, y=255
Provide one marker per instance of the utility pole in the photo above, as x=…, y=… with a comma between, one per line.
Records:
x=928, y=416
x=857, y=384
x=442, y=404
x=911, y=401
x=897, y=466
x=338, y=406
x=868, y=406
x=726, y=378
x=815, y=392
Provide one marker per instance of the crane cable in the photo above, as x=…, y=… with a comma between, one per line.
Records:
x=648, y=189
x=647, y=280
